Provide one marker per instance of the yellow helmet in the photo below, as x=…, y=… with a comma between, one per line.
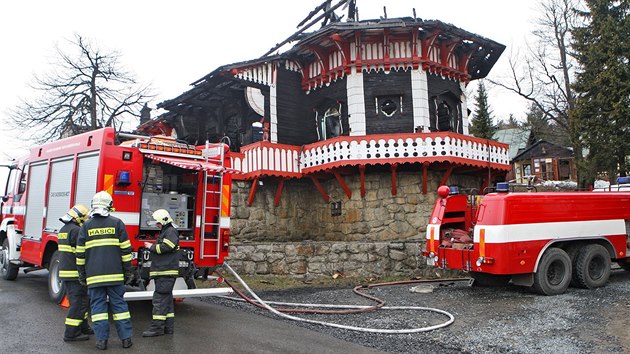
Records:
x=162, y=216
x=79, y=212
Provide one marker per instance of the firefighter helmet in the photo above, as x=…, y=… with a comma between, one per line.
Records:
x=161, y=216
x=79, y=212
x=102, y=199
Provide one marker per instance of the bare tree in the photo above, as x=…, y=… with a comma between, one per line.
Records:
x=85, y=90
x=544, y=75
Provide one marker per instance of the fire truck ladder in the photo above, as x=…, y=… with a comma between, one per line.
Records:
x=212, y=200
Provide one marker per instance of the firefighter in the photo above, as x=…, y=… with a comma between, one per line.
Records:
x=164, y=271
x=104, y=263
x=77, y=327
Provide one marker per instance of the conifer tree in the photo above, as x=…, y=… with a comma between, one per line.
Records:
x=603, y=85
x=482, y=125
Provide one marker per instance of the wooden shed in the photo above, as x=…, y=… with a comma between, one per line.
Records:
x=546, y=161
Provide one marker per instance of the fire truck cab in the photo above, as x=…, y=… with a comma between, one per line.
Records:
x=545, y=240
x=142, y=174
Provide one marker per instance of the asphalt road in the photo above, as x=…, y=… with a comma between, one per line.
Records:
x=31, y=323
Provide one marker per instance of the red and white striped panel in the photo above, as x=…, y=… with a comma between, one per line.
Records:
x=192, y=164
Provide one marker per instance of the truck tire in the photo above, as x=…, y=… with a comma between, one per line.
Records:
x=56, y=288
x=592, y=266
x=573, y=251
x=8, y=270
x=490, y=280
x=554, y=272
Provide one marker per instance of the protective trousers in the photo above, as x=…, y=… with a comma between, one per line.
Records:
x=120, y=311
x=76, y=320
x=163, y=307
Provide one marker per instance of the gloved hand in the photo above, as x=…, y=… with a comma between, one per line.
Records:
x=82, y=279
x=128, y=276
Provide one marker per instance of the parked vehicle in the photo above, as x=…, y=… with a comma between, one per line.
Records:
x=544, y=240
x=142, y=174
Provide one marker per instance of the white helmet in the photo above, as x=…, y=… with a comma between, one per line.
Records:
x=102, y=203
x=162, y=216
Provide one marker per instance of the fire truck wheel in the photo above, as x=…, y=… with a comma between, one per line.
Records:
x=554, y=272
x=8, y=270
x=573, y=250
x=56, y=289
x=485, y=279
x=592, y=266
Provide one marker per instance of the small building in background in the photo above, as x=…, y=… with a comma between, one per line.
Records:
x=546, y=161
x=518, y=140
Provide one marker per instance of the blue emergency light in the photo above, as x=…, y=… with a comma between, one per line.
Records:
x=503, y=187
x=123, y=178
x=623, y=180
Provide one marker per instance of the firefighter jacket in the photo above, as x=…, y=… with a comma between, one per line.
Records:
x=103, y=251
x=67, y=241
x=165, y=253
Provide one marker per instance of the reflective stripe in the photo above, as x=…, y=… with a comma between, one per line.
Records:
x=163, y=272
x=86, y=315
x=169, y=243
x=73, y=322
x=159, y=317
x=121, y=316
x=80, y=261
x=126, y=258
x=81, y=249
x=157, y=249
x=125, y=244
x=104, y=278
x=170, y=315
x=66, y=248
x=69, y=273
x=102, y=242
x=100, y=317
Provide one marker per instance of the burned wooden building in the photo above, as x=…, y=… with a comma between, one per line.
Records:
x=348, y=99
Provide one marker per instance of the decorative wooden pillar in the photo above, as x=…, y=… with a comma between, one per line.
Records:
x=320, y=189
x=362, y=178
x=447, y=174
x=252, y=191
x=343, y=184
x=394, y=167
x=278, y=192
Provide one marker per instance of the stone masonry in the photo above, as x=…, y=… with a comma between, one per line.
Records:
x=379, y=235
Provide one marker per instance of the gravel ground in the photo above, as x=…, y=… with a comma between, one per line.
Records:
x=487, y=320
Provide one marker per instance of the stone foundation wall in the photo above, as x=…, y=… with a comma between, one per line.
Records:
x=379, y=235
x=317, y=259
x=304, y=215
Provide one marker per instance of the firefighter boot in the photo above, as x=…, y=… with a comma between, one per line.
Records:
x=86, y=329
x=101, y=344
x=169, y=326
x=126, y=343
x=156, y=329
x=73, y=334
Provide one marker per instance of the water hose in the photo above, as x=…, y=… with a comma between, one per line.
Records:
x=380, y=305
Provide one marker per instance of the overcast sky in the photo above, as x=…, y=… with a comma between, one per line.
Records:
x=171, y=44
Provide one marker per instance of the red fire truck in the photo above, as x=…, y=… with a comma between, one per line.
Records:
x=546, y=240
x=142, y=174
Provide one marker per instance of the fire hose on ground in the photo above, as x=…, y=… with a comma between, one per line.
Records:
x=341, y=309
